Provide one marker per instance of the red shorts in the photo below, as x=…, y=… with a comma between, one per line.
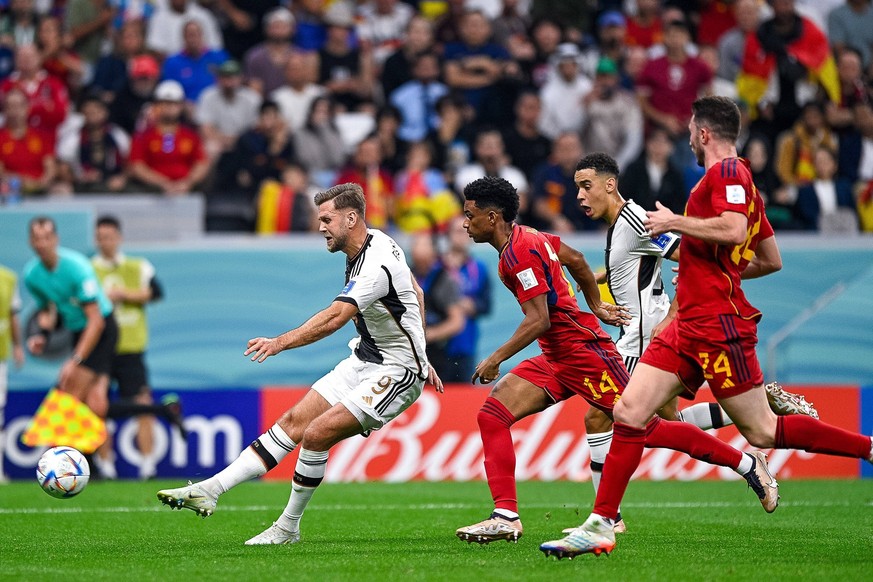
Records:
x=720, y=351
x=594, y=371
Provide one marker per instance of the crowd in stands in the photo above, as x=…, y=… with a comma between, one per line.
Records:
x=259, y=103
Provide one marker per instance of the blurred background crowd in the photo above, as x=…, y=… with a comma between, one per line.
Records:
x=259, y=103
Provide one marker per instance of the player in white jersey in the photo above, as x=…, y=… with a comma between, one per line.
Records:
x=381, y=379
x=633, y=275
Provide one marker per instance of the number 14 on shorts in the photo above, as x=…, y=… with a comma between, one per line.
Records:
x=606, y=384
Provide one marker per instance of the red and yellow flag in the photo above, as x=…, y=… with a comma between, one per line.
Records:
x=811, y=50
x=62, y=419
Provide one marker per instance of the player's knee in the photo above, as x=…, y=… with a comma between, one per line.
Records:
x=597, y=421
x=627, y=415
x=316, y=437
x=759, y=439
x=489, y=417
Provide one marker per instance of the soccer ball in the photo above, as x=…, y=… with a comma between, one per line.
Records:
x=62, y=472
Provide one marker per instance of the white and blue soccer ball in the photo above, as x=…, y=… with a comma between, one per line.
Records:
x=62, y=472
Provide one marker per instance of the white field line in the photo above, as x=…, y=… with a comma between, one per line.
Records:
x=417, y=507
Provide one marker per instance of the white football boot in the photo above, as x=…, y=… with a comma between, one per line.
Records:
x=274, y=535
x=192, y=496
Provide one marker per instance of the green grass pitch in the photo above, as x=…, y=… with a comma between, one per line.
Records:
x=823, y=530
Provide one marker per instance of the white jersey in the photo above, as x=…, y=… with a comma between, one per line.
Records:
x=379, y=284
x=633, y=272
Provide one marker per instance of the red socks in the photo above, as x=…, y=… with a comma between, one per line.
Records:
x=621, y=462
x=494, y=422
x=798, y=431
x=691, y=440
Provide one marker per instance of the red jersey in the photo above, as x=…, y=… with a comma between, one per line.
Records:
x=529, y=267
x=25, y=157
x=47, y=96
x=673, y=87
x=709, y=274
x=171, y=154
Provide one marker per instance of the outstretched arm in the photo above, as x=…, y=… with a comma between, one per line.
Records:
x=535, y=323
x=319, y=326
x=587, y=284
x=728, y=228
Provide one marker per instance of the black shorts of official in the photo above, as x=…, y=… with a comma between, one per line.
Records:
x=100, y=358
x=129, y=371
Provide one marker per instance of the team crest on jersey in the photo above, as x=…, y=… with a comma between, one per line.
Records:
x=736, y=194
x=527, y=279
x=348, y=287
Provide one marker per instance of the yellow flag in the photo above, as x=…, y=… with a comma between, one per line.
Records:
x=62, y=419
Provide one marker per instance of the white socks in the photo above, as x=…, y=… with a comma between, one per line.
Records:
x=746, y=464
x=308, y=475
x=598, y=444
x=706, y=415
x=262, y=455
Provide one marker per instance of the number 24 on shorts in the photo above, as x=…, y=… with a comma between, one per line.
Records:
x=720, y=365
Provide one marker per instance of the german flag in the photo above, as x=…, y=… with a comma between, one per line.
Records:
x=811, y=50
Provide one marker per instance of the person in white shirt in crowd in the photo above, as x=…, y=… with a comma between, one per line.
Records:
x=164, y=33
x=298, y=92
x=381, y=26
x=563, y=95
x=226, y=110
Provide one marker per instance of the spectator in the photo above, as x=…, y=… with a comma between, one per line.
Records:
x=614, y=122
x=545, y=36
x=164, y=33
x=732, y=44
x=194, y=67
x=424, y=201
x=553, y=191
x=129, y=104
x=242, y=23
x=94, y=158
x=795, y=149
x=670, y=84
x=851, y=26
x=398, y=67
x=853, y=91
x=298, y=92
x=510, y=30
x=265, y=63
x=26, y=152
x=318, y=144
x=416, y=99
x=443, y=309
x=111, y=71
x=856, y=148
x=381, y=26
x=87, y=22
x=491, y=160
x=526, y=146
x=451, y=140
x=827, y=203
x=475, y=288
x=46, y=96
x=393, y=150
x=645, y=28
x=366, y=169
x=780, y=206
x=476, y=66
x=287, y=206
x=653, y=176
x=57, y=60
x=563, y=95
x=713, y=19
x=345, y=71
x=18, y=27
x=226, y=110
x=784, y=65
x=611, y=34
x=168, y=156
x=310, y=33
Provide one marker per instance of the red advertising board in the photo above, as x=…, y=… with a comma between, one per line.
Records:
x=438, y=439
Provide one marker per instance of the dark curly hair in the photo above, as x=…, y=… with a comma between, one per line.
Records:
x=718, y=114
x=600, y=162
x=494, y=192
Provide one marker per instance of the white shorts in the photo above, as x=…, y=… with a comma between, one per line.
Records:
x=374, y=393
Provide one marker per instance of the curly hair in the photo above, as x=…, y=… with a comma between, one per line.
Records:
x=494, y=192
x=600, y=162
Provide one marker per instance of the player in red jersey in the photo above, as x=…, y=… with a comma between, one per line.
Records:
x=577, y=358
x=714, y=334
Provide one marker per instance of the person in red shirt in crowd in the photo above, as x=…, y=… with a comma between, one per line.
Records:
x=47, y=97
x=669, y=85
x=166, y=155
x=26, y=153
x=367, y=171
x=57, y=60
x=645, y=28
x=713, y=336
